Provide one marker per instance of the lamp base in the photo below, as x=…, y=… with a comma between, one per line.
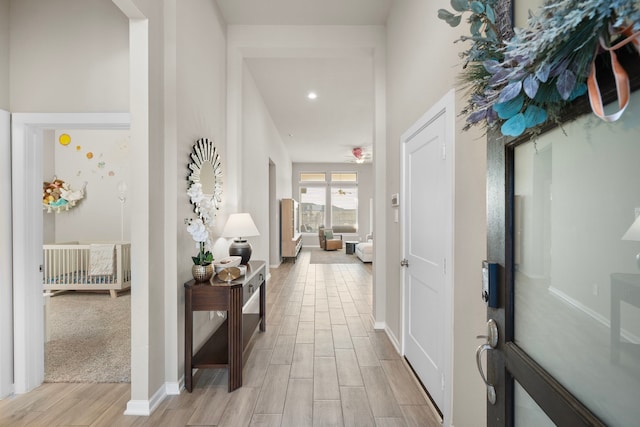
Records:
x=241, y=248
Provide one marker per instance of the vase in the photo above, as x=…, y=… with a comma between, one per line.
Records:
x=202, y=273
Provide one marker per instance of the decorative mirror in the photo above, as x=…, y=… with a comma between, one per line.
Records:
x=206, y=170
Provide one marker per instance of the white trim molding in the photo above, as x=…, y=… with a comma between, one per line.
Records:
x=393, y=339
x=624, y=333
x=6, y=264
x=144, y=408
x=26, y=164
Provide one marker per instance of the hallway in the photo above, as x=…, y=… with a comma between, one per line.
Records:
x=320, y=363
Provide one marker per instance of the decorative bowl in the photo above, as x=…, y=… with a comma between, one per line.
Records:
x=230, y=261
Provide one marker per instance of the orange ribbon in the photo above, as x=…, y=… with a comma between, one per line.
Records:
x=620, y=75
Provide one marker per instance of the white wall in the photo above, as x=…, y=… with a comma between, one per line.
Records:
x=108, y=165
x=365, y=193
x=201, y=112
x=261, y=143
x=85, y=49
x=595, y=194
x=68, y=56
x=4, y=54
x=422, y=65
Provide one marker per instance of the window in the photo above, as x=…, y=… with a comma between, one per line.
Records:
x=340, y=193
x=344, y=209
x=312, y=208
x=344, y=177
x=313, y=177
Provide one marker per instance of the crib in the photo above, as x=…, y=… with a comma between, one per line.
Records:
x=73, y=266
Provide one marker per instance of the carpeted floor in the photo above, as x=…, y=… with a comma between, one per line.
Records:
x=320, y=256
x=89, y=338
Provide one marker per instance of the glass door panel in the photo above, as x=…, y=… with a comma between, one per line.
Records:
x=527, y=413
x=577, y=282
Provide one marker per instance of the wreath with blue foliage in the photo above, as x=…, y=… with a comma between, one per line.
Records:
x=519, y=81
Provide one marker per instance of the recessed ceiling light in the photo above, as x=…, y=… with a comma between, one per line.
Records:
x=312, y=95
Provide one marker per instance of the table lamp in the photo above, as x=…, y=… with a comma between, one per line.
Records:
x=239, y=226
x=633, y=233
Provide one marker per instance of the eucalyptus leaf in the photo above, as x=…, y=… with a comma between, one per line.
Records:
x=450, y=18
x=508, y=109
x=477, y=7
x=492, y=66
x=510, y=91
x=454, y=21
x=498, y=78
x=534, y=116
x=542, y=73
x=515, y=126
x=460, y=5
x=477, y=116
x=530, y=86
x=491, y=16
x=565, y=84
x=444, y=14
x=475, y=27
x=579, y=90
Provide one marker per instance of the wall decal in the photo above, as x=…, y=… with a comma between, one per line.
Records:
x=64, y=139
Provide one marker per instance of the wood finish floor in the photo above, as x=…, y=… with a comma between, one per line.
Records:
x=320, y=363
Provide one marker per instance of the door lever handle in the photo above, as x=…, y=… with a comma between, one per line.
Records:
x=491, y=390
x=404, y=263
x=491, y=343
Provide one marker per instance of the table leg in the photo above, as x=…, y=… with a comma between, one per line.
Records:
x=615, y=324
x=263, y=306
x=188, y=345
x=234, y=319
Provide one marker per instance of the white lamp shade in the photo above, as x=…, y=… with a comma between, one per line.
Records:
x=240, y=225
x=633, y=233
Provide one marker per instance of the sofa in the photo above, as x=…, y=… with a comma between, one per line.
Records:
x=364, y=250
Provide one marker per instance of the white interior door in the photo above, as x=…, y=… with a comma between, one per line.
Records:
x=427, y=246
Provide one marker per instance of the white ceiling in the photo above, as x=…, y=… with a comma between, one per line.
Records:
x=305, y=12
x=341, y=118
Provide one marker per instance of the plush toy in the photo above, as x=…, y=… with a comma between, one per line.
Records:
x=57, y=195
x=51, y=191
x=71, y=195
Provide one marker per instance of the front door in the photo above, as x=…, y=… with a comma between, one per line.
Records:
x=562, y=227
x=427, y=240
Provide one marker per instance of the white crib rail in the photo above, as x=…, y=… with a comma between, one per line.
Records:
x=66, y=267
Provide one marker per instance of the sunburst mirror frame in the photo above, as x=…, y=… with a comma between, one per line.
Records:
x=206, y=169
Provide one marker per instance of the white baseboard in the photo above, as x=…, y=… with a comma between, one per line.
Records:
x=379, y=326
x=173, y=388
x=144, y=408
x=393, y=339
x=634, y=339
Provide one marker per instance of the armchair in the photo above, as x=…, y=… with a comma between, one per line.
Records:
x=329, y=241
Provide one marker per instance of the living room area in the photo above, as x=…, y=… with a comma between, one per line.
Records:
x=334, y=216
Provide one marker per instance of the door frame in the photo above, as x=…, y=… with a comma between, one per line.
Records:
x=26, y=161
x=6, y=288
x=510, y=362
x=445, y=105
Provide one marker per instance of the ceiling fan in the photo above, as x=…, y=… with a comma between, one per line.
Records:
x=360, y=155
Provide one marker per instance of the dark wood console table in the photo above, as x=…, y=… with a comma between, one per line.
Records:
x=224, y=349
x=624, y=287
